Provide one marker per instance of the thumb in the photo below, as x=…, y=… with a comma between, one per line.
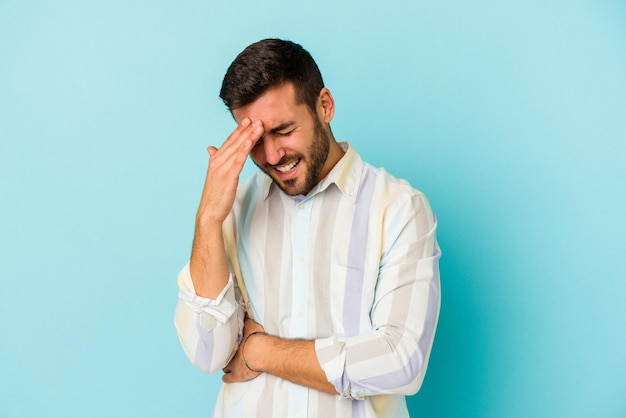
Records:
x=212, y=150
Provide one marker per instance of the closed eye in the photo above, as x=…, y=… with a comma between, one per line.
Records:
x=284, y=129
x=287, y=133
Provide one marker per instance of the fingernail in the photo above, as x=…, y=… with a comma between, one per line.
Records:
x=245, y=122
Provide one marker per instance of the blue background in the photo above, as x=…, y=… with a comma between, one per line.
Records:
x=509, y=115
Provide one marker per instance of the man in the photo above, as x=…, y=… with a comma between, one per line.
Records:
x=313, y=285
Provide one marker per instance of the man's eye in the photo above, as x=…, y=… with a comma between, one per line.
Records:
x=285, y=133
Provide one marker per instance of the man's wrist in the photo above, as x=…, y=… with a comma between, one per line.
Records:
x=206, y=218
x=251, y=358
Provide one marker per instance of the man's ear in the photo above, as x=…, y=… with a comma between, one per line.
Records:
x=326, y=105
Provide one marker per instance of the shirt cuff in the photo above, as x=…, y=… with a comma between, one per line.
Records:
x=221, y=308
x=331, y=355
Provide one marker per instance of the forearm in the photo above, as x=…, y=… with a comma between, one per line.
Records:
x=208, y=264
x=292, y=360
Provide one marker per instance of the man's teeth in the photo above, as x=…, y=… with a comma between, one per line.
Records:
x=288, y=167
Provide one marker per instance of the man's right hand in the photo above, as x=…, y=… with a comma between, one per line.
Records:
x=208, y=264
x=225, y=165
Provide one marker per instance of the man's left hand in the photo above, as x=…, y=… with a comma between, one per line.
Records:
x=236, y=370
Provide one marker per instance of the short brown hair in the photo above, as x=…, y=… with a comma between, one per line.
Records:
x=270, y=63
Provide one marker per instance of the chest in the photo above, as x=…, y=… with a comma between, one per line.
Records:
x=310, y=268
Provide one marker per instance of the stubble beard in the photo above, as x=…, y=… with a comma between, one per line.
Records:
x=318, y=153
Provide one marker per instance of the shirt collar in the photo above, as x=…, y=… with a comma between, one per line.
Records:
x=346, y=175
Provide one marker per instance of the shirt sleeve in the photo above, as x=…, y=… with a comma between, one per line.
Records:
x=393, y=357
x=208, y=329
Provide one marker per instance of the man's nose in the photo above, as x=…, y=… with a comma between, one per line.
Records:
x=273, y=149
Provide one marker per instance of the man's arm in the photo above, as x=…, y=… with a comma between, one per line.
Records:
x=293, y=360
x=209, y=317
x=392, y=357
x=208, y=264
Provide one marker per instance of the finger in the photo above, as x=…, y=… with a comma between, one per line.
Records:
x=232, y=377
x=242, y=139
x=237, y=135
x=231, y=138
x=233, y=154
x=229, y=378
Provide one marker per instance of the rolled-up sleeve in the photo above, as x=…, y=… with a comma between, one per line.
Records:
x=208, y=329
x=392, y=357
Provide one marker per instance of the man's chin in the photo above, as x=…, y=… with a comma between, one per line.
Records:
x=290, y=187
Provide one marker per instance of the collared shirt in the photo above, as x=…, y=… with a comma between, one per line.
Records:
x=352, y=265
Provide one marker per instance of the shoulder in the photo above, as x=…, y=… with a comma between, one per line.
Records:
x=398, y=206
x=388, y=187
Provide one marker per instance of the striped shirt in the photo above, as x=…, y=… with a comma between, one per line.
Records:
x=352, y=265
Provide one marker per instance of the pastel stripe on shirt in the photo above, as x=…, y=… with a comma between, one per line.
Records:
x=353, y=265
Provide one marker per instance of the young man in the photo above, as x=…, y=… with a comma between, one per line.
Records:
x=314, y=285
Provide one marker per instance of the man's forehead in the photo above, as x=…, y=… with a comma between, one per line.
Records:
x=275, y=108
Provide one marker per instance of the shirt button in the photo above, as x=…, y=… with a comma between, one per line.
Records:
x=300, y=314
x=301, y=206
x=300, y=259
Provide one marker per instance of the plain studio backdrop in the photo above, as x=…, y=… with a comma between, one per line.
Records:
x=509, y=115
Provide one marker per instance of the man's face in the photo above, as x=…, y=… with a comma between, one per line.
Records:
x=293, y=149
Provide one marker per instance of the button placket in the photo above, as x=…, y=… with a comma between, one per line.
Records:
x=300, y=273
x=300, y=285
